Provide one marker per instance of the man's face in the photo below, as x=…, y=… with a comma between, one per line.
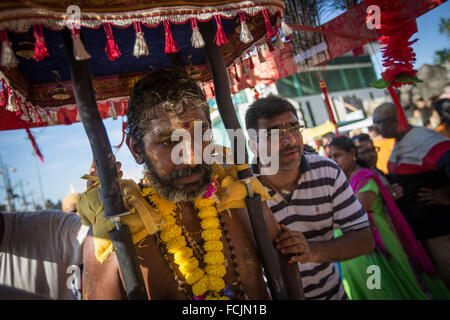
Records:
x=290, y=139
x=174, y=182
x=366, y=152
x=386, y=125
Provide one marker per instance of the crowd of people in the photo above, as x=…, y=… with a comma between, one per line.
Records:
x=342, y=225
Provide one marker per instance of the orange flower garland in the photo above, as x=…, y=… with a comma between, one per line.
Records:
x=208, y=280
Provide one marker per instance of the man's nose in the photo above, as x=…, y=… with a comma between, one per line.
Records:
x=288, y=139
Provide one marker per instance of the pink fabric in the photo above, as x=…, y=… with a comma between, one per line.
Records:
x=412, y=246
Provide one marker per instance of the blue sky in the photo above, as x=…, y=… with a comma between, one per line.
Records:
x=68, y=156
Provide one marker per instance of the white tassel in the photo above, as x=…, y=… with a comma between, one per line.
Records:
x=112, y=111
x=79, y=50
x=279, y=43
x=12, y=104
x=140, y=46
x=197, y=39
x=25, y=115
x=287, y=31
x=78, y=118
x=50, y=118
x=33, y=116
x=260, y=55
x=8, y=58
x=243, y=68
x=245, y=35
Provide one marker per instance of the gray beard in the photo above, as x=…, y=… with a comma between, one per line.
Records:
x=168, y=191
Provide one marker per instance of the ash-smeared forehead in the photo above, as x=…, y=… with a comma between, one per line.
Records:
x=163, y=92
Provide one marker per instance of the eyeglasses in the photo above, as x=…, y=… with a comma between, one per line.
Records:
x=367, y=151
x=295, y=130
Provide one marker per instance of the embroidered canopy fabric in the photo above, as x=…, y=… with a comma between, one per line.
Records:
x=122, y=39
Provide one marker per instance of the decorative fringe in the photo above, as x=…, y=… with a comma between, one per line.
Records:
x=8, y=58
x=252, y=66
x=260, y=55
x=124, y=127
x=50, y=117
x=24, y=115
x=220, y=38
x=245, y=36
x=111, y=49
x=112, y=110
x=33, y=142
x=140, y=46
x=197, y=39
x=243, y=68
x=402, y=122
x=171, y=45
x=38, y=118
x=67, y=120
x=236, y=73
x=12, y=103
x=79, y=51
x=40, y=49
x=230, y=79
x=4, y=99
x=279, y=43
x=270, y=30
x=287, y=31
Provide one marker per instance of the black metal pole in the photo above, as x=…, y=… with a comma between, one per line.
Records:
x=226, y=109
x=111, y=191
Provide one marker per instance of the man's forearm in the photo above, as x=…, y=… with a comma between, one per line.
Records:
x=348, y=246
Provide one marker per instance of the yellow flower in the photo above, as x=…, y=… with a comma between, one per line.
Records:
x=213, y=234
x=194, y=276
x=214, y=257
x=189, y=266
x=147, y=191
x=210, y=297
x=215, y=245
x=176, y=244
x=210, y=223
x=168, y=221
x=201, y=286
x=216, y=270
x=207, y=212
x=170, y=233
x=201, y=203
x=183, y=255
x=216, y=283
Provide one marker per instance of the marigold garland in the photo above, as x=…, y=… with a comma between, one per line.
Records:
x=208, y=280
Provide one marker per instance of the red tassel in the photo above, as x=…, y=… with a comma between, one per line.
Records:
x=269, y=44
x=270, y=30
x=402, y=122
x=171, y=45
x=252, y=66
x=33, y=142
x=212, y=91
x=40, y=50
x=323, y=87
x=124, y=127
x=221, y=38
x=236, y=73
x=4, y=100
x=39, y=121
x=111, y=49
x=67, y=120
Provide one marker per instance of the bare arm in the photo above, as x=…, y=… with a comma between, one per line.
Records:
x=101, y=281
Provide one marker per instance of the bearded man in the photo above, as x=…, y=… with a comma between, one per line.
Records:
x=204, y=246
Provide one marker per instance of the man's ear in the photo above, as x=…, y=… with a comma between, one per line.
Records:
x=135, y=150
x=253, y=144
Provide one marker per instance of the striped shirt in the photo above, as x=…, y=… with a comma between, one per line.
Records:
x=322, y=201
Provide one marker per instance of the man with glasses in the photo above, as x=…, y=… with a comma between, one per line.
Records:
x=420, y=163
x=368, y=153
x=310, y=197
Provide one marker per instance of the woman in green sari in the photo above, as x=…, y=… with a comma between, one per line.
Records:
x=387, y=273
